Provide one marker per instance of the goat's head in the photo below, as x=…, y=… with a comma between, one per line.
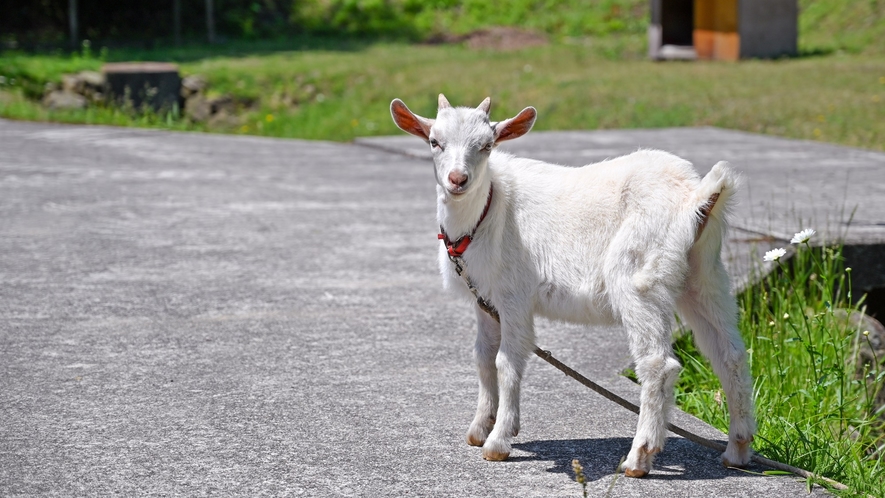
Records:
x=461, y=138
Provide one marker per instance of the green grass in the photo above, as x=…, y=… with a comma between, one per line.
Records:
x=853, y=26
x=814, y=412
x=341, y=93
x=594, y=75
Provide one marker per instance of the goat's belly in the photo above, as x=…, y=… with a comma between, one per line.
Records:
x=556, y=304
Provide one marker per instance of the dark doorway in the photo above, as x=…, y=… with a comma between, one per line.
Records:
x=677, y=22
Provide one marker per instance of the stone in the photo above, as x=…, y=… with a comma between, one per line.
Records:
x=85, y=83
x=69, y=83
x=224, y=119
x=64, y=100
x=223, y=103
x=197, y=108
x=192, y=85
x=91, y=81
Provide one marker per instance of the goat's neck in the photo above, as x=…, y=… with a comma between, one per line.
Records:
x=458, y=215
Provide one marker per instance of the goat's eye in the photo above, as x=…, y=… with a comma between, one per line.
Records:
x=487, y=147
x=434, y=143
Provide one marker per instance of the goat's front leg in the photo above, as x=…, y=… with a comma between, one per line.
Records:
x=488, y=340
x=517, y=340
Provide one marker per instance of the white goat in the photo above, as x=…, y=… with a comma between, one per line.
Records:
x=626, y=241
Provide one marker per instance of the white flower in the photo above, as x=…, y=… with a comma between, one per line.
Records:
x=774, y=254
x=802, y=236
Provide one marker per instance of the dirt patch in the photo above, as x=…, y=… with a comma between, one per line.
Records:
x=496, y=38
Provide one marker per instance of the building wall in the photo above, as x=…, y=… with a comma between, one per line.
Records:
x=768, y=28
x=716, y=29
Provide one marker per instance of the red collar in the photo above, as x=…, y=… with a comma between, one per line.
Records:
x=456, y=249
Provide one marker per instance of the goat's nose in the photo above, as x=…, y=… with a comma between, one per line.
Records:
x=457, y=178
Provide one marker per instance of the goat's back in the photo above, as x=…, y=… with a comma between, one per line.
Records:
x=573, y=233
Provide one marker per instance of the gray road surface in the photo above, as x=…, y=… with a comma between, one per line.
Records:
x=186, y=314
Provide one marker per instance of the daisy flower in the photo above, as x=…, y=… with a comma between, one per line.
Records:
x=774, y=254
x=802, y=236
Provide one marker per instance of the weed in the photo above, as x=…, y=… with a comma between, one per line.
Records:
x=814, y=412
x=579, y=475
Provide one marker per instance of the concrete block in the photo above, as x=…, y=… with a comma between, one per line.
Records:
x=156, y=85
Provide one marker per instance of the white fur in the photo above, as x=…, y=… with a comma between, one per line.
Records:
x=617, y=242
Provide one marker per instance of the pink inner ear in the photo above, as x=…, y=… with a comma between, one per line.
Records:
x=516, y=126
x=409, y=122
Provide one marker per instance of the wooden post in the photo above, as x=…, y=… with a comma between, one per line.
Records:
x=210, y=21
x=72, y=23
x=176, y=20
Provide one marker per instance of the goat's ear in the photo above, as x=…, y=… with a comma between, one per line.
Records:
x=443, y=102
x=410, y=122
x=516, y=126
x=486, y=105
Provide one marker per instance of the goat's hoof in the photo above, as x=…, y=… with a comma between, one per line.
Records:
x=635, y=473
x=639, y=461
x=479, y=431
x=496, y=450
x=738, y=453
x=474, y=440
x=729, y=464
x=494, y=456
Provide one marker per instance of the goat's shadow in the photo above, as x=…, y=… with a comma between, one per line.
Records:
x=680, y=460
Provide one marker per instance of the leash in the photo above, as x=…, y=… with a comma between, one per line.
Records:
x=461, y=270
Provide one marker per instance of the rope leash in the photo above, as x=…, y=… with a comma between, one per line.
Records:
x=460, y=269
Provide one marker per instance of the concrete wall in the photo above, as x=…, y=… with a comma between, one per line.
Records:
x=768, y=28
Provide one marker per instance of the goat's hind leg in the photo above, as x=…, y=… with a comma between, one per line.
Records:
x=712, y=317
x=488, y=341
x=658, y=371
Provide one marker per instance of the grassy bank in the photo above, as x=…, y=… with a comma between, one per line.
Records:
x=816, y=377
x=593, y=75
x=340, y=93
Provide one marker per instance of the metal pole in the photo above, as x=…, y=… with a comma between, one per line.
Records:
x=210, y=21
x=72, y=22
x=176, y=20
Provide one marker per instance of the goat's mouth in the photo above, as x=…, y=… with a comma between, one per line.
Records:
x=456, y=190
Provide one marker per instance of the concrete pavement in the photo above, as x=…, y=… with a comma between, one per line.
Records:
x=187, y=314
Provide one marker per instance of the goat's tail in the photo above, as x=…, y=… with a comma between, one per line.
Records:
x=713, y=199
